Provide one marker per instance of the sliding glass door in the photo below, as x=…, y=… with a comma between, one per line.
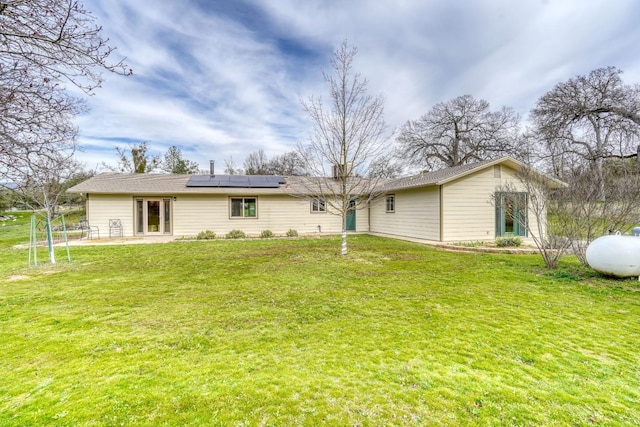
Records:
x=153, y=216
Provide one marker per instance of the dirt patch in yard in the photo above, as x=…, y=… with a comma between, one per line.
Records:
x=16, y=277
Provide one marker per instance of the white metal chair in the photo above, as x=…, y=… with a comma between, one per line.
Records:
x=115, y=228
x=89, y=229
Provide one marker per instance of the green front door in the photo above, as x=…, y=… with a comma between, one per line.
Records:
x=351, y=216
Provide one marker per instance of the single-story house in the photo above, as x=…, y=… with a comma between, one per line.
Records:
x=454, y=204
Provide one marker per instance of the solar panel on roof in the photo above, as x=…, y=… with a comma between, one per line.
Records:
x=236, y=181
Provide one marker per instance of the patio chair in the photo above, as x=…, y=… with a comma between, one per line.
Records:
x=115, y=228
x=89, y=229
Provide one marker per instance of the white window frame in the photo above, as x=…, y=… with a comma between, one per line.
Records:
x=390, y=198
x=318, y=205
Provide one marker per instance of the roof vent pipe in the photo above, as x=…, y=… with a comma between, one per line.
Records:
x=212, y=167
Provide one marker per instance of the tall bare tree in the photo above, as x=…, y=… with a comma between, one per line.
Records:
x=581, y=123
x=348, y=134
x=287, y=164
x=385, y=167
x=230, y=167
x=459, y=131
x=45, y=44
x=257, y=163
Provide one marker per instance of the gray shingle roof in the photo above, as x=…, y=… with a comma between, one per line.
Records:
x=443, y=176
x=128, y=183
x=435, y=177
x=152, y=184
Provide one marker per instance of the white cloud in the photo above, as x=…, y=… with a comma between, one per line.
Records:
x=222, y=80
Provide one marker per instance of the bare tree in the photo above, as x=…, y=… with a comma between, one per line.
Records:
x=42, y=183
x=569, y=217
x=581, y=124
x=77, y=174
x=536, y=192
x=42, y=186
x=583, y=217
x=135, y=158
x=385, y=167
x=257, y=163
x=457, y=132
x=348, y=135
x=43, y=45
x=230, y=167
x=55, y=40
x=287, y=164
x=36, y=122
x=174, y=163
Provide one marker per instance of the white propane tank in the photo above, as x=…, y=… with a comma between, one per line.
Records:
x=615, y=255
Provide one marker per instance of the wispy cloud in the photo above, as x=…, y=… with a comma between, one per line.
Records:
x=222, y=79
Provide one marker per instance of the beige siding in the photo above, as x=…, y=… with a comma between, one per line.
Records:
x=465, y=204
x=195, y=213
x=416, y=214
x=192, y=214
x=102, y=208
x=362, y=219
x=510, y=179
x=468, y=209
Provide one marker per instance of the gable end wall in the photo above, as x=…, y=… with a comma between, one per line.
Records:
x=468, y=209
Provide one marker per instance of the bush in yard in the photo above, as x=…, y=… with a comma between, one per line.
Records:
x=266, y=234
x=236, y=234
x=206, y=235
x=505, y=241
x=292, y=233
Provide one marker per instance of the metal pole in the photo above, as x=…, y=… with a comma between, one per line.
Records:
x=66, y=240
x=30, y=240
x=33, y=242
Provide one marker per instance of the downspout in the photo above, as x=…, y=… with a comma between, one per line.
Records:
x=369, y=215
x=441, y=219
x=86, y=208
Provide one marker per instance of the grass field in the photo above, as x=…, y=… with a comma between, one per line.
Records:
x=287, y=332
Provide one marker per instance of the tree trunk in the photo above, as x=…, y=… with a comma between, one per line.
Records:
x=344, y=242
x=52, y=256
x=344, y=235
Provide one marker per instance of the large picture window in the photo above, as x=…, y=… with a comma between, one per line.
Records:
x=244, y=207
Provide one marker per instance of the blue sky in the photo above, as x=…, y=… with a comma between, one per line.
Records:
x=221, y=79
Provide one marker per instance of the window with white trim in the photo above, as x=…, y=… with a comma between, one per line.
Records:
x=318, y=205
x=243, y=207
x=391, y=203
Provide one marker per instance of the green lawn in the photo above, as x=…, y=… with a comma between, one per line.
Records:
x=287, y=332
